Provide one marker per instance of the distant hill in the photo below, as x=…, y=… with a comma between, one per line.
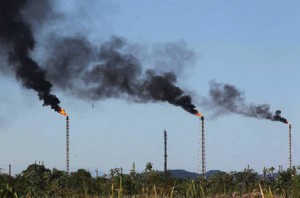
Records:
x=183, y=174
x=275, y=175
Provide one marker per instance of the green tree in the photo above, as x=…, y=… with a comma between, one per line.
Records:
x=57, y=183
x=271, y=170
x=7, y=192
x=245, y=181
x=35, y=178
x=295, y=190
x=80, y=181
x=221, y=184
x=265, y=171
x=283, y=182
x=148, y=167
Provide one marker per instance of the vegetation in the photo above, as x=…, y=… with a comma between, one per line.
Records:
x=38, y=181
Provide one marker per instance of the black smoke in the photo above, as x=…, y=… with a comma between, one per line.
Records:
x=277, y=117
x=110, y=71
x=89, y=71
x=225, y=98
x=16, y=34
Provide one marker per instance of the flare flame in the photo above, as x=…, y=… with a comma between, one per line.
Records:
x=198, y=114
x=62, y=112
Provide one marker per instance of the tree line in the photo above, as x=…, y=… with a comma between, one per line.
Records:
x=39, y=181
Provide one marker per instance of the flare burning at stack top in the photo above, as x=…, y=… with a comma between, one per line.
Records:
x=225, y=99
x=105, y=70
x=198, y=114
x=63, y=112
x=203, y=155
x=67, y=145
x=277, y=117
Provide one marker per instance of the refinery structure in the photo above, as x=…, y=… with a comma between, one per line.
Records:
x=111, y=70
x=201, y=164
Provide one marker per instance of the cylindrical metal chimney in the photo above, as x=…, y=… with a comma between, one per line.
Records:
x=97, y=172
x=67, y=144
x=203, y=148
x=165, y=149
x=290, y=145
x=9, y=169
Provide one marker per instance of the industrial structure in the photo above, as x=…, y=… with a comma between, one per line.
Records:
x=97, y=172
x=203, y=147
x=290, y=146
x=201, y=163
x=9, y=169
x=165, y=151
x=67, y=144
x=199, y=152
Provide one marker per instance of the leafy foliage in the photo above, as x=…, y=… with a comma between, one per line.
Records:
x=38, y=181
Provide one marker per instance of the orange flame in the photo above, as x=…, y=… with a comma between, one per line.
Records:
x=63, y=112
x=199, y=114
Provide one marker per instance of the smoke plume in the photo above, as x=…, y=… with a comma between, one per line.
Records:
x=225, y=98
x=110, y=71
x=17, y=36
x=75, y=65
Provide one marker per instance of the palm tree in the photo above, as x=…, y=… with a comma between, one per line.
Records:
x=271, y=169
x=7, y=192
x=149, y=167
x=265, y=171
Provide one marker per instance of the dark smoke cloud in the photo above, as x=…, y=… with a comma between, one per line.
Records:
x=85, y=70
x=16, y=35
x=110, y=71
x=68, y=59
x=225, y=98
x=173, y=57
x=3, y=59
x=38, y=12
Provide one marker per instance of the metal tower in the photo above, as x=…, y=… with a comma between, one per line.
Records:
x=97, y=172
x=165, y=149
x=9, y=169
x=199, y=151
x=67, y=144
x=290, y=145
x=203, y=148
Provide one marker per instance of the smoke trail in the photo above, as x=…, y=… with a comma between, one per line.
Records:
x=86, y=71
x=225, y=98
x=17, y=35
x=173, y=57
x=115, y=74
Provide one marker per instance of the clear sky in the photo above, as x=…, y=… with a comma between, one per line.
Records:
x=252, y=44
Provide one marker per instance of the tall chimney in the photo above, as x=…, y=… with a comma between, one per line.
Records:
x=290, y=145
x=165, y=149
x=97, y=172
x=67, y=144
x=203, y=148
x=9, y=169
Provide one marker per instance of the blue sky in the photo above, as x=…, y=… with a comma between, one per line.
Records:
x=253, y=45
